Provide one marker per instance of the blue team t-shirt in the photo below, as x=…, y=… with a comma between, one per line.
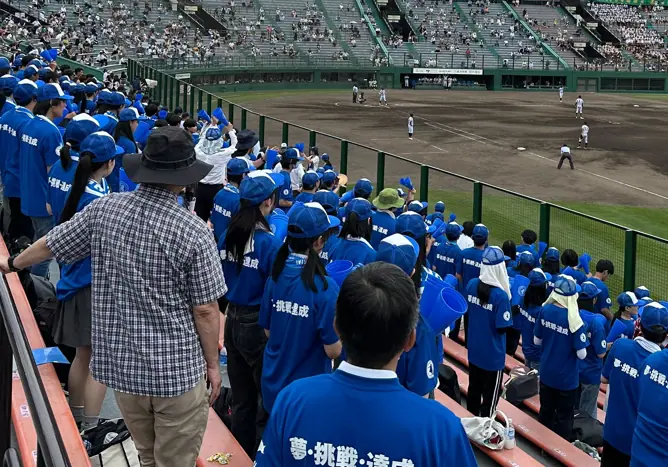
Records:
x=558, y=358
x=129, y=147
x=226, y=204
x=311, y=425
x=107, y=121
x=11, y=128
x=445, y=258
x=285, y=191
x=356, y=250
x=37, y=153
x=330, y=244
x=304, y=197
x=576, y=274
x=246, y=286
x=489, y=353
x=603, y=300
x=383, y=224
x=536, y=259
x=60, y=183
x=651, y=434
x=527, y=318
x=623, y=369
x=76, y=276
x=417, y=369
x=590, y=368
x=468, y=265
x=301, y=322
x=144, y=127
x=8, y=105
x=429, y=220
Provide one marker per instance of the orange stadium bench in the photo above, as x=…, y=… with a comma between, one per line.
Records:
x=532, y=430
x=21, y=418
x=217, y=438
x=459, y=353
x=512, y=457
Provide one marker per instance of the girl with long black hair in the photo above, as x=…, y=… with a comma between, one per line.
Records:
x=353, y=244
x=247, y=250
x=124, y=136
x=73, y=290
x=7, y=85
x=307, y=298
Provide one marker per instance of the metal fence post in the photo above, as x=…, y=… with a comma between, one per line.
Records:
x=286, y=133
x=177, y=97
x=261, y=129
x=170, y=96
x=424, y=183
x=244, y=118
x=380, y=172
x=209, y=102
x=630, y=255
x=193, y=91
x=220, y=103
x=344, y=157
x=230, y=112
x=477, y=202
x=200, y=102
x=545, y=223
x=311, y=138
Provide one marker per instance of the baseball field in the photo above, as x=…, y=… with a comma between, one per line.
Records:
x=622, y=177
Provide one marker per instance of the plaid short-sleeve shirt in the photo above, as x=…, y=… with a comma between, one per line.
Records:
x=152, y=262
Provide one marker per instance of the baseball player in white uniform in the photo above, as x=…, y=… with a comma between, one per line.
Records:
x=584, y=136
x=579, y=103
x=561, y=94
x=410, y=127
x=382, y=96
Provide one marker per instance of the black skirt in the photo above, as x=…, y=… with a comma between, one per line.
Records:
x=73, y=320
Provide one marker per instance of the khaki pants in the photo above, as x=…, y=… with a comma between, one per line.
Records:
x=167, y=431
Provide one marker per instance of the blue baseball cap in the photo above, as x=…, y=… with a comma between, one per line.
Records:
x=453, y=229
x=329, y=176
x=105, y=97
x=91, y=88
x=213, y=133
x=102, y=145
x=117, y=98
x=480, y=232
x=654, y=314
x=258, y=186
x=320, y=171
x=4, y=62
x=52, y=91
x=239, y=166
x=37, y=63
x=310, y=178
x=293, y=154
x=401, y=192
x=363, y=188
x=76, y=87
x=627, y=299
x=566, y=286
x=8, y=82
x=42, y=72
x=127, y=102
x=526, y=257
x=30, y=70
x=493, y=255
x=417, y=206
x=328, y=200
x=589, y=290
x=411, y=223
x=79, y=128
x=439, y=207
x=641, y=292
x=162, y=114
x=552, y=254
x=325, y=157
x=128, y=115
x=63, y=78
x=400, y=250
x=25, y=91
x=361, y=206
x=538, y=277
x=311, y=219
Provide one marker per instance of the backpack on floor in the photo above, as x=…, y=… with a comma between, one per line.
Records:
x=449, y=383
x=110, y=445
x=587, y=429
x=522, y=385
x=223, y=407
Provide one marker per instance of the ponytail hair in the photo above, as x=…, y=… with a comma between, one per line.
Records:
x=355, y=227
x=3, y=97
x=65, y=156
x=241, y=229
x=483, y=292
x=83, y=173
x=313, y=264
x=80, y=100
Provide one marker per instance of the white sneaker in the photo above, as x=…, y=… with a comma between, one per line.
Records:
x=411, y=139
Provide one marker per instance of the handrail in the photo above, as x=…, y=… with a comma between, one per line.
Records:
x=373, y=32
x=50, y=443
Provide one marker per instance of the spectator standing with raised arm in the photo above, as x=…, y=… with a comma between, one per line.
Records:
x=155, y=315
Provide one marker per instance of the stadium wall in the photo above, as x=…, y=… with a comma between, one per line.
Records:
x=639, y=258
x=234, y=79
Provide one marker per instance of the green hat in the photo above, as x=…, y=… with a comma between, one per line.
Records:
x=388, y=199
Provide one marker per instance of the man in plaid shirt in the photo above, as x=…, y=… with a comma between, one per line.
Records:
x=156, y=281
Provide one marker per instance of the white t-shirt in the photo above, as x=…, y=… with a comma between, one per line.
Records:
x=585, y=130
x=579, y=103
x=410, y=124
x=315, y=162
x=565, y=150
x=355, y=89
x=464, y=242
x=218, y=159
x=561, y=91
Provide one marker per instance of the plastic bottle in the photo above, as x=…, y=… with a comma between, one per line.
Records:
x=223, y=369
x=510, y=440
